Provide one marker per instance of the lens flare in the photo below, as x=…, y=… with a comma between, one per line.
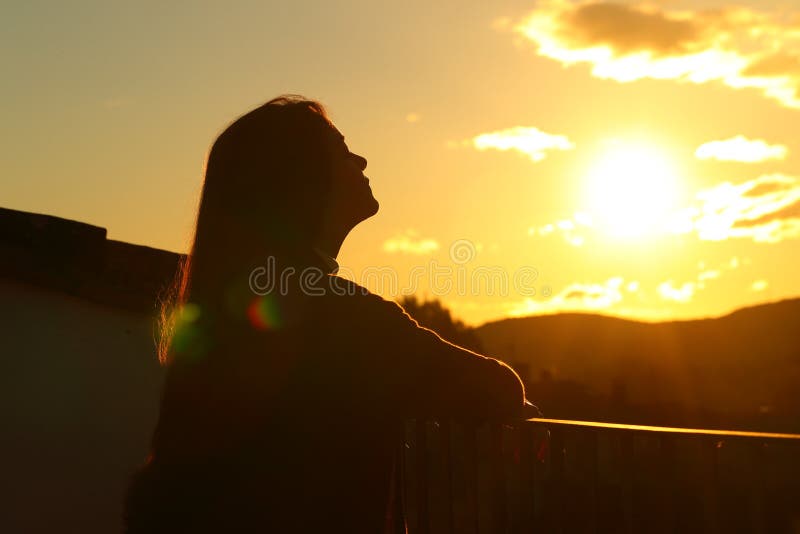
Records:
x=263, y=313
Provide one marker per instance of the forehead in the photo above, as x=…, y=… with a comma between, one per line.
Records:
x=334, y=136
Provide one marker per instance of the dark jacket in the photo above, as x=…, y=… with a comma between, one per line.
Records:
x=295, y=427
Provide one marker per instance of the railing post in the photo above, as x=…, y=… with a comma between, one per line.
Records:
x=527, y=465
x=557, y=503
x=709, y=452
x=627, y=451
x=758, y=514
x=666, y=445
x=471, y=449
x=593, y=446
x=499, y=507
x=446, y=429
x=421, y=475
x=661, y=487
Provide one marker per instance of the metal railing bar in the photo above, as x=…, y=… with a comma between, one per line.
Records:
x=673, y=430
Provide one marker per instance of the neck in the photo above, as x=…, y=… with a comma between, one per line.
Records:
x=330, y=242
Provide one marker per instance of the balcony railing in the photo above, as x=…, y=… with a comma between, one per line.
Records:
x=547, y=475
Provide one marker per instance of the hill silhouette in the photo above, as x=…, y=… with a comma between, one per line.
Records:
x=742, y=369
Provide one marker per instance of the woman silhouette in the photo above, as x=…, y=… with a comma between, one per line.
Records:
x=287, y=385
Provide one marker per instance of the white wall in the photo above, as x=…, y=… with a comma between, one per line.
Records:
x=79, y=391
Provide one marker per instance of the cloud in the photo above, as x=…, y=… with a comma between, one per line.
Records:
x=409, y=242
x=413, y=117
x=759, y=285
x=572, y=229
x=706, y=274
x=765, y=209
x=629, y=30
x=669, y=291
x=774, y=184
x=735, y=262
x=741, y=149
x=710, y=274
x=740, y=47
x=785, y=214
x=577, y=296
x=777, y=64
x=531, y=141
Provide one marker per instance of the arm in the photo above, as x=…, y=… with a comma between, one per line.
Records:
x=415, y=372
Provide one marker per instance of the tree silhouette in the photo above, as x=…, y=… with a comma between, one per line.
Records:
x=431, y=313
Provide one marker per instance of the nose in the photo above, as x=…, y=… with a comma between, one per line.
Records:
x=360, y=161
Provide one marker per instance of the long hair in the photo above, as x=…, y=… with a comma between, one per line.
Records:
x=265, y=184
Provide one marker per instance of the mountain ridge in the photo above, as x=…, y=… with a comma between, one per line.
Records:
x=742, y=364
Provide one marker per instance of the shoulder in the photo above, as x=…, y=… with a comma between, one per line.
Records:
x=342, y=293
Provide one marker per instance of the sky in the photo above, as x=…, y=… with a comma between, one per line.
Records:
x=625, y=158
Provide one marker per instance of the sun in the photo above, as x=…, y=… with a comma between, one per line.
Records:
x=631, y=190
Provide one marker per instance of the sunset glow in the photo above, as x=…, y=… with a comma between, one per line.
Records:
x=588, y=141
x=402, y=267
x=631, y=190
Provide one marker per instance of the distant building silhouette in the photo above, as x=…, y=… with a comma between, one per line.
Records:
x=76, y=258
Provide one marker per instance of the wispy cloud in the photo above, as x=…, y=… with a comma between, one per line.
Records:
x=740, y=47
x=686, y=291
x=670, y=291
x=759, y=285
x=528, y=140
x=409, y=242
x=765, y=209
x=741, y=149
x=573, y=230
x=710, y=274
x=577, y=297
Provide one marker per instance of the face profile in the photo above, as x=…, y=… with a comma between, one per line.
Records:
x=350, y=198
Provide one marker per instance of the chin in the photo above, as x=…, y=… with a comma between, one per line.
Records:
x=376, y=206
x=369, y=209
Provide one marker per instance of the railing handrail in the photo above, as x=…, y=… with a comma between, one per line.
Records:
x=667, y=429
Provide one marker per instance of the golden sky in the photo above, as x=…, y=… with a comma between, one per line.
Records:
x=636, y=159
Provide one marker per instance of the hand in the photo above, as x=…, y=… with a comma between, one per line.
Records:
x=529, y=410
